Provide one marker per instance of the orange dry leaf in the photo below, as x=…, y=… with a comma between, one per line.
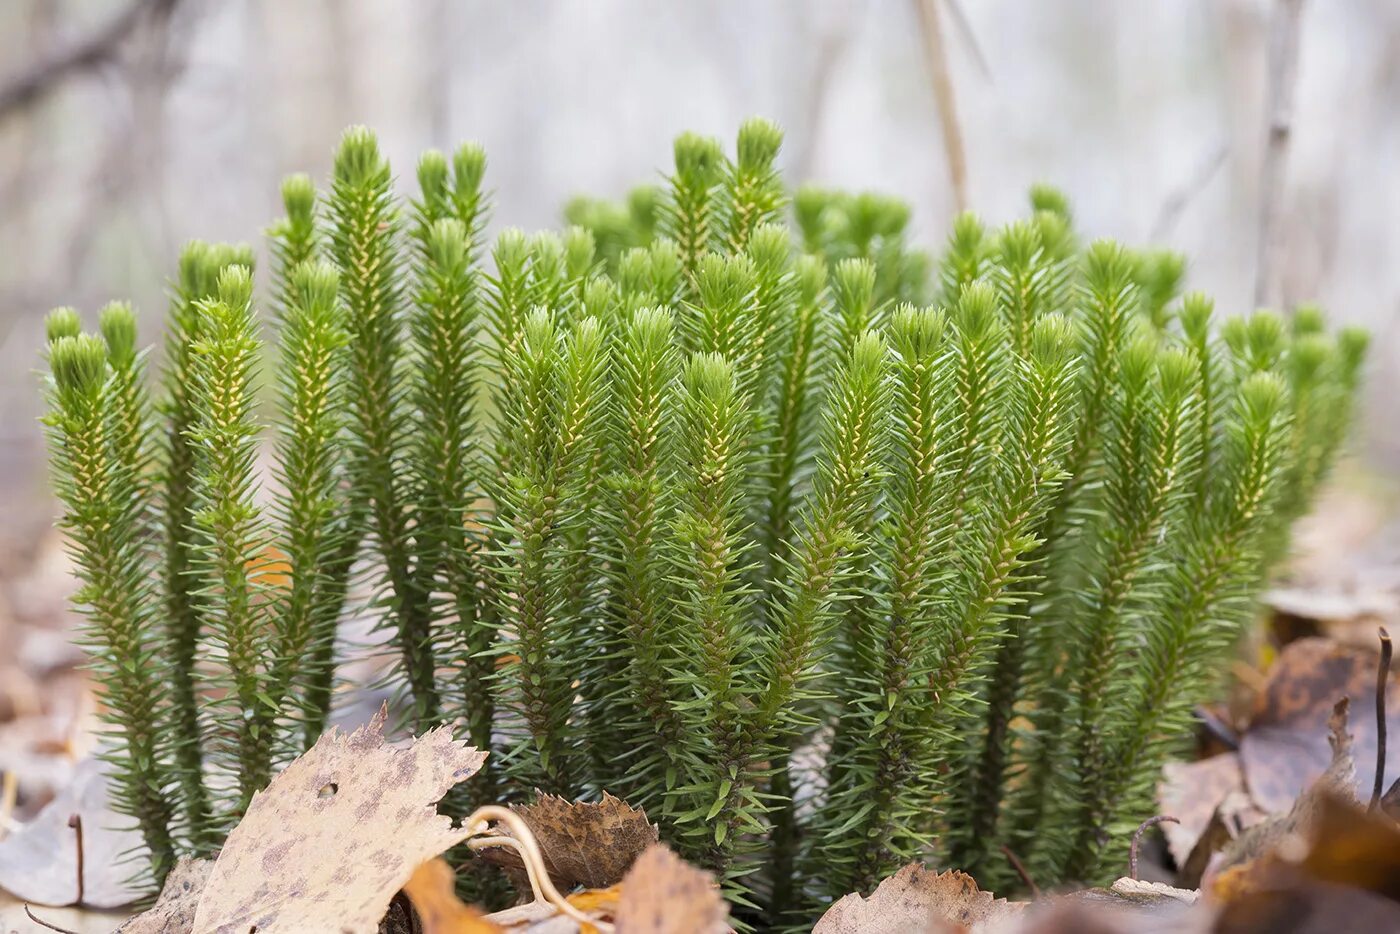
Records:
x=432, y=890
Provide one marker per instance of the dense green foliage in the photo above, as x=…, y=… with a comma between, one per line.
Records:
x=830, y=555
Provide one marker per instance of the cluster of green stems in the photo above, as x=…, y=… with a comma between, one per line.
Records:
x=830, y=554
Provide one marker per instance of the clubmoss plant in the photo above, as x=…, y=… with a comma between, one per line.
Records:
x=831, y=555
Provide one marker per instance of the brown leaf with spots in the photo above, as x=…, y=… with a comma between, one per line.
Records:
x=584, y=843
x=432, y=890
x=173, y=912
x=917, y=899
x=1285, y=750
x=330, y=841
x=663, y=894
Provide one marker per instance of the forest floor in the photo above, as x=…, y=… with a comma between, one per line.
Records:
x=1277, y=761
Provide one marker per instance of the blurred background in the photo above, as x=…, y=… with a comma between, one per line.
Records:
x=129, y=126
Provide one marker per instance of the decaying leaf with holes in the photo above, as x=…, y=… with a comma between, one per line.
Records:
x=591, y=844
x=918, y=900
x=330, y=841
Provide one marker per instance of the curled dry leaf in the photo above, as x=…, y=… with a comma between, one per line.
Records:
x=39, y=862
x=663, y=894
x=329, y=842
x=1283, y=751
x=173, y=912
x=1252, y=857
x=584, y=843
x=1347, y=881
x=917, y=899
x=1193, y=793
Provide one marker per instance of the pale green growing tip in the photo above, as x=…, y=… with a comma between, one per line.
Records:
x=317, y=282
x=469, y=167
x=447, y=243
x=358, y=160
x=79, y=364
x=1262, y=398
x=978, y=312
x=432, y=175
x=811, y=278
x=580, y=248
x=1176, y=374
x=1196, y=311
x=759, y=142
x=235, y=287
x=1309, y=319
x=117, y=322
x=1352, y=343
x=1051, y=200
x=1266, y=334
x=1309, y=355
x=62, y=322
x=710, y=376
x=1052, y=341
x=697, y=157
x=299, y=196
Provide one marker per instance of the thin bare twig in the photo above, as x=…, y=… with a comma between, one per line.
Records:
x=1284, y=33
x=1382, y=679
x=943, y=97
x=76, y=822
x=1137, y=839
x=43, y=76
x=1180, y=198
x=1020, y=868
x=38, y=920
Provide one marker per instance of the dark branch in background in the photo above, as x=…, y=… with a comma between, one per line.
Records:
x=1382, y=676
x=943, y=97
x=43, y=76
x=1283, y=78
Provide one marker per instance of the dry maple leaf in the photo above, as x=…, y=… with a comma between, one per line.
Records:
x=917, y=899
x=39, y=861
x=583, y=843
x=663, y=894
x=336, y=834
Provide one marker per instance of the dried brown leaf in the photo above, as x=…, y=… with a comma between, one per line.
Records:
x=662, y=894
x=1252, y=857
x=1193, y=792
x=917, y=899
x=330, y=841
x=584, y=843
x=1283, y=751
x=173, y=912
x=39, y=862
